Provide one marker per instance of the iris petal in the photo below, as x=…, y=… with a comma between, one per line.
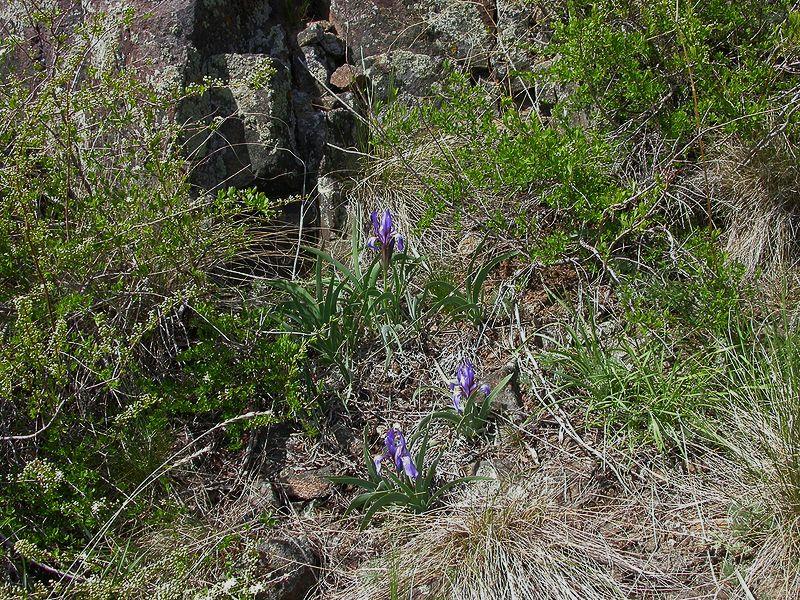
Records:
x=374, y=218
x=457, y=401
x=398, y=459
x=385, y=237
x=466, y=378
x=409, y=467
x=391, y=442
x=385, y=229
x=397, y=451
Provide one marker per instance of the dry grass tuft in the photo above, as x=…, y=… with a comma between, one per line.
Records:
x=521, y=540
x=759, y=189
x=762, y=481
x=396, y=178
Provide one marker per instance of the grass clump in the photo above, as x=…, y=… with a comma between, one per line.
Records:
x=759, y=386
x=517, y=541
x=637, y=389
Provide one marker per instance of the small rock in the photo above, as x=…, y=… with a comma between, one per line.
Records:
x=305, y=486
x=342, y=128
x=261, y=500
x=310, y=130
x=483, y=468
x=287, y=569
x=344, y=77
x=330, y=102
x=487, y=470
x=333, y=205
x=312, y=34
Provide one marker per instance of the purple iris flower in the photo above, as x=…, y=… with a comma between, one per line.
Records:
x=464, y=385
x=397, y=451
x=385, y=238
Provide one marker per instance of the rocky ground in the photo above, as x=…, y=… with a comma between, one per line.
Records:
x=563, y=506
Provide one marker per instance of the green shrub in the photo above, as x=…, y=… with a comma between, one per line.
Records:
x=232, y=368
x=506, y=170
x=644, y=90
x=678, y=66
x=116, y=326
x=690, y=292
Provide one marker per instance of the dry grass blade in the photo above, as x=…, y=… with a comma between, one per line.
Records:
x=759, y=194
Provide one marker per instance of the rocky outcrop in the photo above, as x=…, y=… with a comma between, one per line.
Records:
x=411, y=39
x=286, y=76
x=274, y=121
x=242, y=128
x=404, y=73
x=446, y=28
x=520, y=31
x=267, y=123
x=400, y=46
x=266, y=117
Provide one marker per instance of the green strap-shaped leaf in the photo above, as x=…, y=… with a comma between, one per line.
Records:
x=385, y=500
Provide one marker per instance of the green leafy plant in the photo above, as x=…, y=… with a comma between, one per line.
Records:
x=334, y=312
x=233, y=368
x=465, y=300
x=631, y=60
x=343, y=304
x=485, y=167
x=693, y=292
x=415, y=490
x=475, y=415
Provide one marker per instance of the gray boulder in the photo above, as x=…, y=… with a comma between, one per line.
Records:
x=370, y=27
x=245, y=126
x=459, y=29
x=316, y=63
x=405, y=73
x=462, y=31
x=312, y=34
x=408, y=41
